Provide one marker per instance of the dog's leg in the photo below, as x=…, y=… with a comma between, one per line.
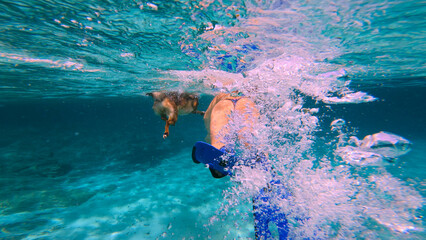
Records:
x=171, y=121
x=166, y=131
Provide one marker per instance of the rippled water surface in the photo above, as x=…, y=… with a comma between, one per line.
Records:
x=340, y=87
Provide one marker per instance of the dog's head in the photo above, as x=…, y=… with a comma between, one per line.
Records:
x=157, y=96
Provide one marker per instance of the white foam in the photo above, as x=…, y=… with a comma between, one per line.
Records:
x=373, y=149
x=282, y=73
x=358, y=157
x=66, y=64
x=350, y=97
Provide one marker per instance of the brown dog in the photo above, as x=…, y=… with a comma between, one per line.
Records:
x=168, y=105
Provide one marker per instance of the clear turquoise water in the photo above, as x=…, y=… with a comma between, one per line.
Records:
x=82, y=154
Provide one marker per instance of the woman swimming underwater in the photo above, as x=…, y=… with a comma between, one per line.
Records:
x=220, y=156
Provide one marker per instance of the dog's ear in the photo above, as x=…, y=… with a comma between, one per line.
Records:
x=157, y=95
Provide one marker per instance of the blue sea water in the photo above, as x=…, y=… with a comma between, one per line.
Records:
x=82, y=154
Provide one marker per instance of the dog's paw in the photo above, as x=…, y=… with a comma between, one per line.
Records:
x=165, y=135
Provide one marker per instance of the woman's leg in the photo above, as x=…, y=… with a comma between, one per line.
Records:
x=261, y=220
